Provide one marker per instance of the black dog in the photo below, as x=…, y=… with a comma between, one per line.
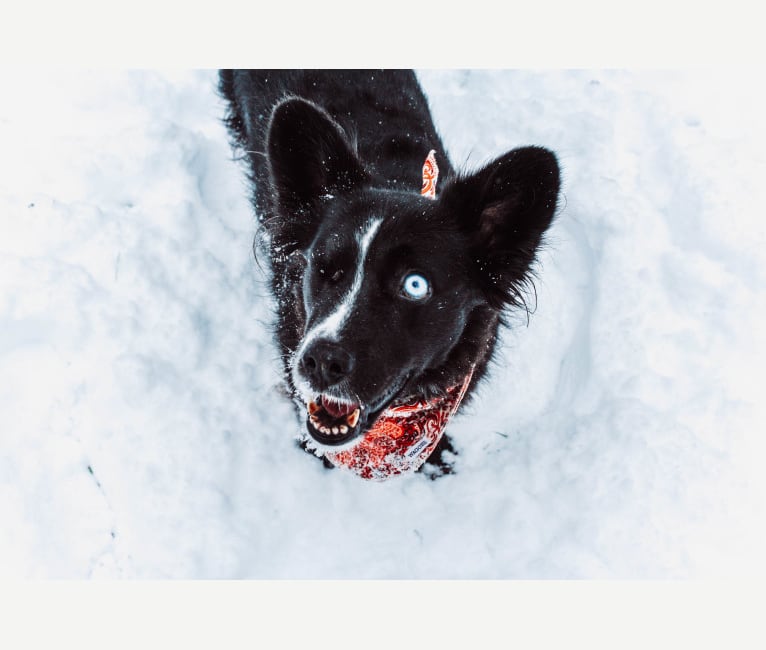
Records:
x=385, y=297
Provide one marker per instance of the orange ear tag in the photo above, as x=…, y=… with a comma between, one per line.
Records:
x=430, y=175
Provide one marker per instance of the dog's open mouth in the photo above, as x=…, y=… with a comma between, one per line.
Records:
x=332, y=421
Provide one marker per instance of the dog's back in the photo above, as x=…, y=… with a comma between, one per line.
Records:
x=383, y=112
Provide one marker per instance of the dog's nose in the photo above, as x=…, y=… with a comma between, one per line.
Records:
x=326, y=363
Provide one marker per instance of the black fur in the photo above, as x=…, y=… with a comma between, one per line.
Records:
x=328, y=153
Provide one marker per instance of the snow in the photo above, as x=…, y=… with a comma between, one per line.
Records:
x=143, y=430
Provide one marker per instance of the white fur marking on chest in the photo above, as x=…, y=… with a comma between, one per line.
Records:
x=332, y=325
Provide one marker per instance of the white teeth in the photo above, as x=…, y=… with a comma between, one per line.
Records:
x=353, y=418
x=338, y=429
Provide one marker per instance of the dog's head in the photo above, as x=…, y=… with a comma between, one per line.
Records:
x=388, y=280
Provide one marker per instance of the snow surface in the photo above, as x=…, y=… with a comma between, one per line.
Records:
x=142, y=430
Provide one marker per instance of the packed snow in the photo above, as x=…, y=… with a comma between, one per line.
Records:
x=143, y=430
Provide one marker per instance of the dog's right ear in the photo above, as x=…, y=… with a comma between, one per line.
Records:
x=309, y=155
x=506, y=208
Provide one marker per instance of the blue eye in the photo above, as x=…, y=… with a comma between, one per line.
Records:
x=415, y=287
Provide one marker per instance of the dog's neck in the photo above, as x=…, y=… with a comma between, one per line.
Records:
x=403, y=437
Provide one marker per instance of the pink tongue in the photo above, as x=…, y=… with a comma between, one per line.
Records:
x=336, y=409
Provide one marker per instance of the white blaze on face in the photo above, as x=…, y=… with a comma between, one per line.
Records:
x=333, y=323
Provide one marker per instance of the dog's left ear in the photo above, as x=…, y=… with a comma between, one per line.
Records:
x=309, y=155
x=505, y=208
